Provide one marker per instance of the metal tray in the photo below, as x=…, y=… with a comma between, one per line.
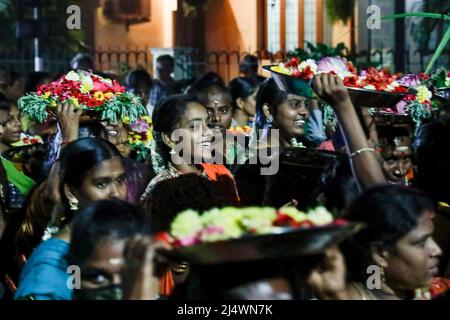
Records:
x=285, y=242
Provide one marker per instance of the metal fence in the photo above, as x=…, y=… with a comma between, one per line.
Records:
x=191, y=62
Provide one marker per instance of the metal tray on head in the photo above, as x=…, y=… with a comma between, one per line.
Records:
x=285, y=242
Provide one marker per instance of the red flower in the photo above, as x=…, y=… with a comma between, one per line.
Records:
x=116, y=87
x=163, y=237
x=400, y=89
x=306, y=74
x=423, y=76
x=99, y=85
x=294, y=62
x=283, y=220
x=351, y=68
x=410, y=97
x=350, y=81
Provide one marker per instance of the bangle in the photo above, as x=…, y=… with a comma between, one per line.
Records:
x=362, y=150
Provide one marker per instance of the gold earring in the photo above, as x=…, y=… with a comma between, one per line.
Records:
x=73, y=203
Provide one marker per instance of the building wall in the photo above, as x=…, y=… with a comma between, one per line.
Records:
x=232, y=25
x=156, y=33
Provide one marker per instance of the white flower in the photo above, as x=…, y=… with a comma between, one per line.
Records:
x=370, y=87
x=320, y=216
x=186, y=224
x=72, y=76
x=447, y=81
x=309, y=62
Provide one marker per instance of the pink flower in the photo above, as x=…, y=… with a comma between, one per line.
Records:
x=140, y=126
x=402, y=107
x=189, y=241
x=100, y=86
x=335, y=65
x=409, y=80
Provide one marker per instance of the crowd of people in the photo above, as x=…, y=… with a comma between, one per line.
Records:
x=83, y=202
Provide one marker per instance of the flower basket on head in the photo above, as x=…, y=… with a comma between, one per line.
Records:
x=294, y=76
x=244, y=234
x=99, y=97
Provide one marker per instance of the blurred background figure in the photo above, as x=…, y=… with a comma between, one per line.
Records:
x=82, y=61
x=249, y=68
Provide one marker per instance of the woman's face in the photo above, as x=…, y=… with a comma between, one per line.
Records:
x=103, y=182
x=396, y=156
x=117, y=134
x=291, y=116
x=195, y=128
x=11, y=127
x=415, y=260
x=250, y=104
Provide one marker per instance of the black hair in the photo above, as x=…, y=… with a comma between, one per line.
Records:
x=35, y=79
x=5, y=103
x=102, y=221
x=390, y=131
x=249, y=65
x=432, y=144
x=269, y=93
x=242, y=88
x=84, y=59
x=172, y=196
x=136, y=77
x=338, y=185
x=390, y=212
x=209, y=77
x=228, y=281
x=77, y=158
x=166, y=115
x=166, y=58
x=202, y=93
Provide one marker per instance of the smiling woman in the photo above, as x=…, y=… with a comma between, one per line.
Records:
x=90, y=170
x=182, y=121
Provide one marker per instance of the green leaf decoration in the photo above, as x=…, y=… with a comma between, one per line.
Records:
x=123, y=105
x=35, y=107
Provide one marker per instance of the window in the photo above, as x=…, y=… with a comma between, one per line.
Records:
x=291, y=22
x=310, y=24
x=273, y=25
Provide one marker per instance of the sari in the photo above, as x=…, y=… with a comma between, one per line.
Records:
x=44, y=276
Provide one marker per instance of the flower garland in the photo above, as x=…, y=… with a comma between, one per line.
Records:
x=191, y=227
x=84, y=90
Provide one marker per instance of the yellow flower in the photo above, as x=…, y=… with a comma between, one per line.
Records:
x=86, y=87
x=53, y=103
x=75, y=102
x=46, y=95
x=126, y=120
x=98, y=95
x=423, y=94
x=109, y=95
x=147, y=119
